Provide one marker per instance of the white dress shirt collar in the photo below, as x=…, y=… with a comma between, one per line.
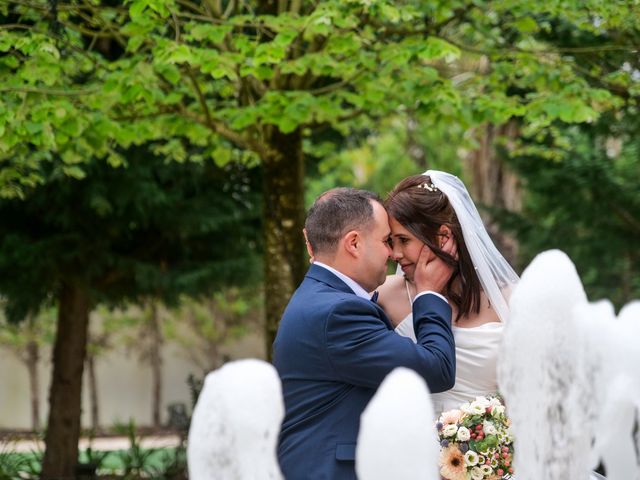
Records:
x=357, y=289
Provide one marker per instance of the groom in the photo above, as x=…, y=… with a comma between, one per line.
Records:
x=335, y=345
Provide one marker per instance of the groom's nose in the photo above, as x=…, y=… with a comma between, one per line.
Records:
x=389, y=249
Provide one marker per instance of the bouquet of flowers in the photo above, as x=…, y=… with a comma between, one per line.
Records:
x=475, y=441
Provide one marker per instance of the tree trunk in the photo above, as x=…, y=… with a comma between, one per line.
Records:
x=93, y=393
x=283, y=223
x=155, y=357
x=32, y=359
x=493, y=184
x=65, y=397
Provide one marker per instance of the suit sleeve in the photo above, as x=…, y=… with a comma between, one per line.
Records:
x=363, y=351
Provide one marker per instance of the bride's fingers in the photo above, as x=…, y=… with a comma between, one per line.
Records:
x=426, y=255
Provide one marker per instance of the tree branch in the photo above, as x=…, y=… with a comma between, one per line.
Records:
x=44, y=7
x=229, y=10
x=50, y=91
x=201, y=99
x=176, y=25
x=336, y=86
x=192, y=6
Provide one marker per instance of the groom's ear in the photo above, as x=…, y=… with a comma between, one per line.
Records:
x=352, y=243
x=306, y=241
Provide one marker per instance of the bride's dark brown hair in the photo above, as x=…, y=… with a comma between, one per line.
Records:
x=421, y=208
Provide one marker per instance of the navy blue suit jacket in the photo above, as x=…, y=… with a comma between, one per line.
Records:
x=332, y=351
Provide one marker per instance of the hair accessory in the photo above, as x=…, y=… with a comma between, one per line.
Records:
x=429, y=186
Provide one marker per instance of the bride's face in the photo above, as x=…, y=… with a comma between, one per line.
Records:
x=406, y=247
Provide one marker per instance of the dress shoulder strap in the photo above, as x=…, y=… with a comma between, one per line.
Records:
x=406, y=284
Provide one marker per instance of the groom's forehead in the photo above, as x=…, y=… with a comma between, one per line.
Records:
x=380, y=217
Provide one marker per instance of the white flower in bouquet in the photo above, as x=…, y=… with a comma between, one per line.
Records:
x=477, y=408
x=497, y=411
x=450, y=430
x=486, y=469
x=489, y=428
x=471, y=458
x=505, y=436
x=476, y=473
x=463, y=434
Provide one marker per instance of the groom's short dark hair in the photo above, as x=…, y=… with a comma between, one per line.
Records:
x=336, y=212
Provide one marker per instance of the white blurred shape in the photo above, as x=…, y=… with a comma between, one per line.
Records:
x=397, y=437
x=615, y=343
x=235, y=424
x=543, y=375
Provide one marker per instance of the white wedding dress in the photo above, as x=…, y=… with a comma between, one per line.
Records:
x=477, y=350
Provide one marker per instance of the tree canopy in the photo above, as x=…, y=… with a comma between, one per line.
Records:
x=153, y=230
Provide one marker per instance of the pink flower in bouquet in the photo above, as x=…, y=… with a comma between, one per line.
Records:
x=452, y=464
x=451, y=416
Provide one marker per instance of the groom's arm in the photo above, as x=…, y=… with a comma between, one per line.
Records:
x=363, y=351
x=432, y=326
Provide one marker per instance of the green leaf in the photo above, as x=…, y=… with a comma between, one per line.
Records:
x=390, y=13
x=71, y=157
x=179, y=53
x=284, y=38
x=491, y=441
x=170, y=72
x=287, y=125
x=243, y=118
x=526, y=25
x=214, y=33
x=221, y=155
x=436, y=48
x=74, y=172
x=134, y=43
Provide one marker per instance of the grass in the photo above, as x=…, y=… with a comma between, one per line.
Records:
x=133, y=463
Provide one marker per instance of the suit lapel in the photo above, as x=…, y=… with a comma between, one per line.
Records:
x=323, y=275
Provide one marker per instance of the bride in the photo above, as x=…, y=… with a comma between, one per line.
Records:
x=427, y=210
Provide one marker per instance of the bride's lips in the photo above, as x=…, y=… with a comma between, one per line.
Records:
x=405, y=266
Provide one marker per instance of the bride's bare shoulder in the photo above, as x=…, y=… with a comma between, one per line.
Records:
x=390, y=288
x=392, y=283
x=393, y=298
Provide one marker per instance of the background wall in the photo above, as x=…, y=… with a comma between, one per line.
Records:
x=124, y=385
